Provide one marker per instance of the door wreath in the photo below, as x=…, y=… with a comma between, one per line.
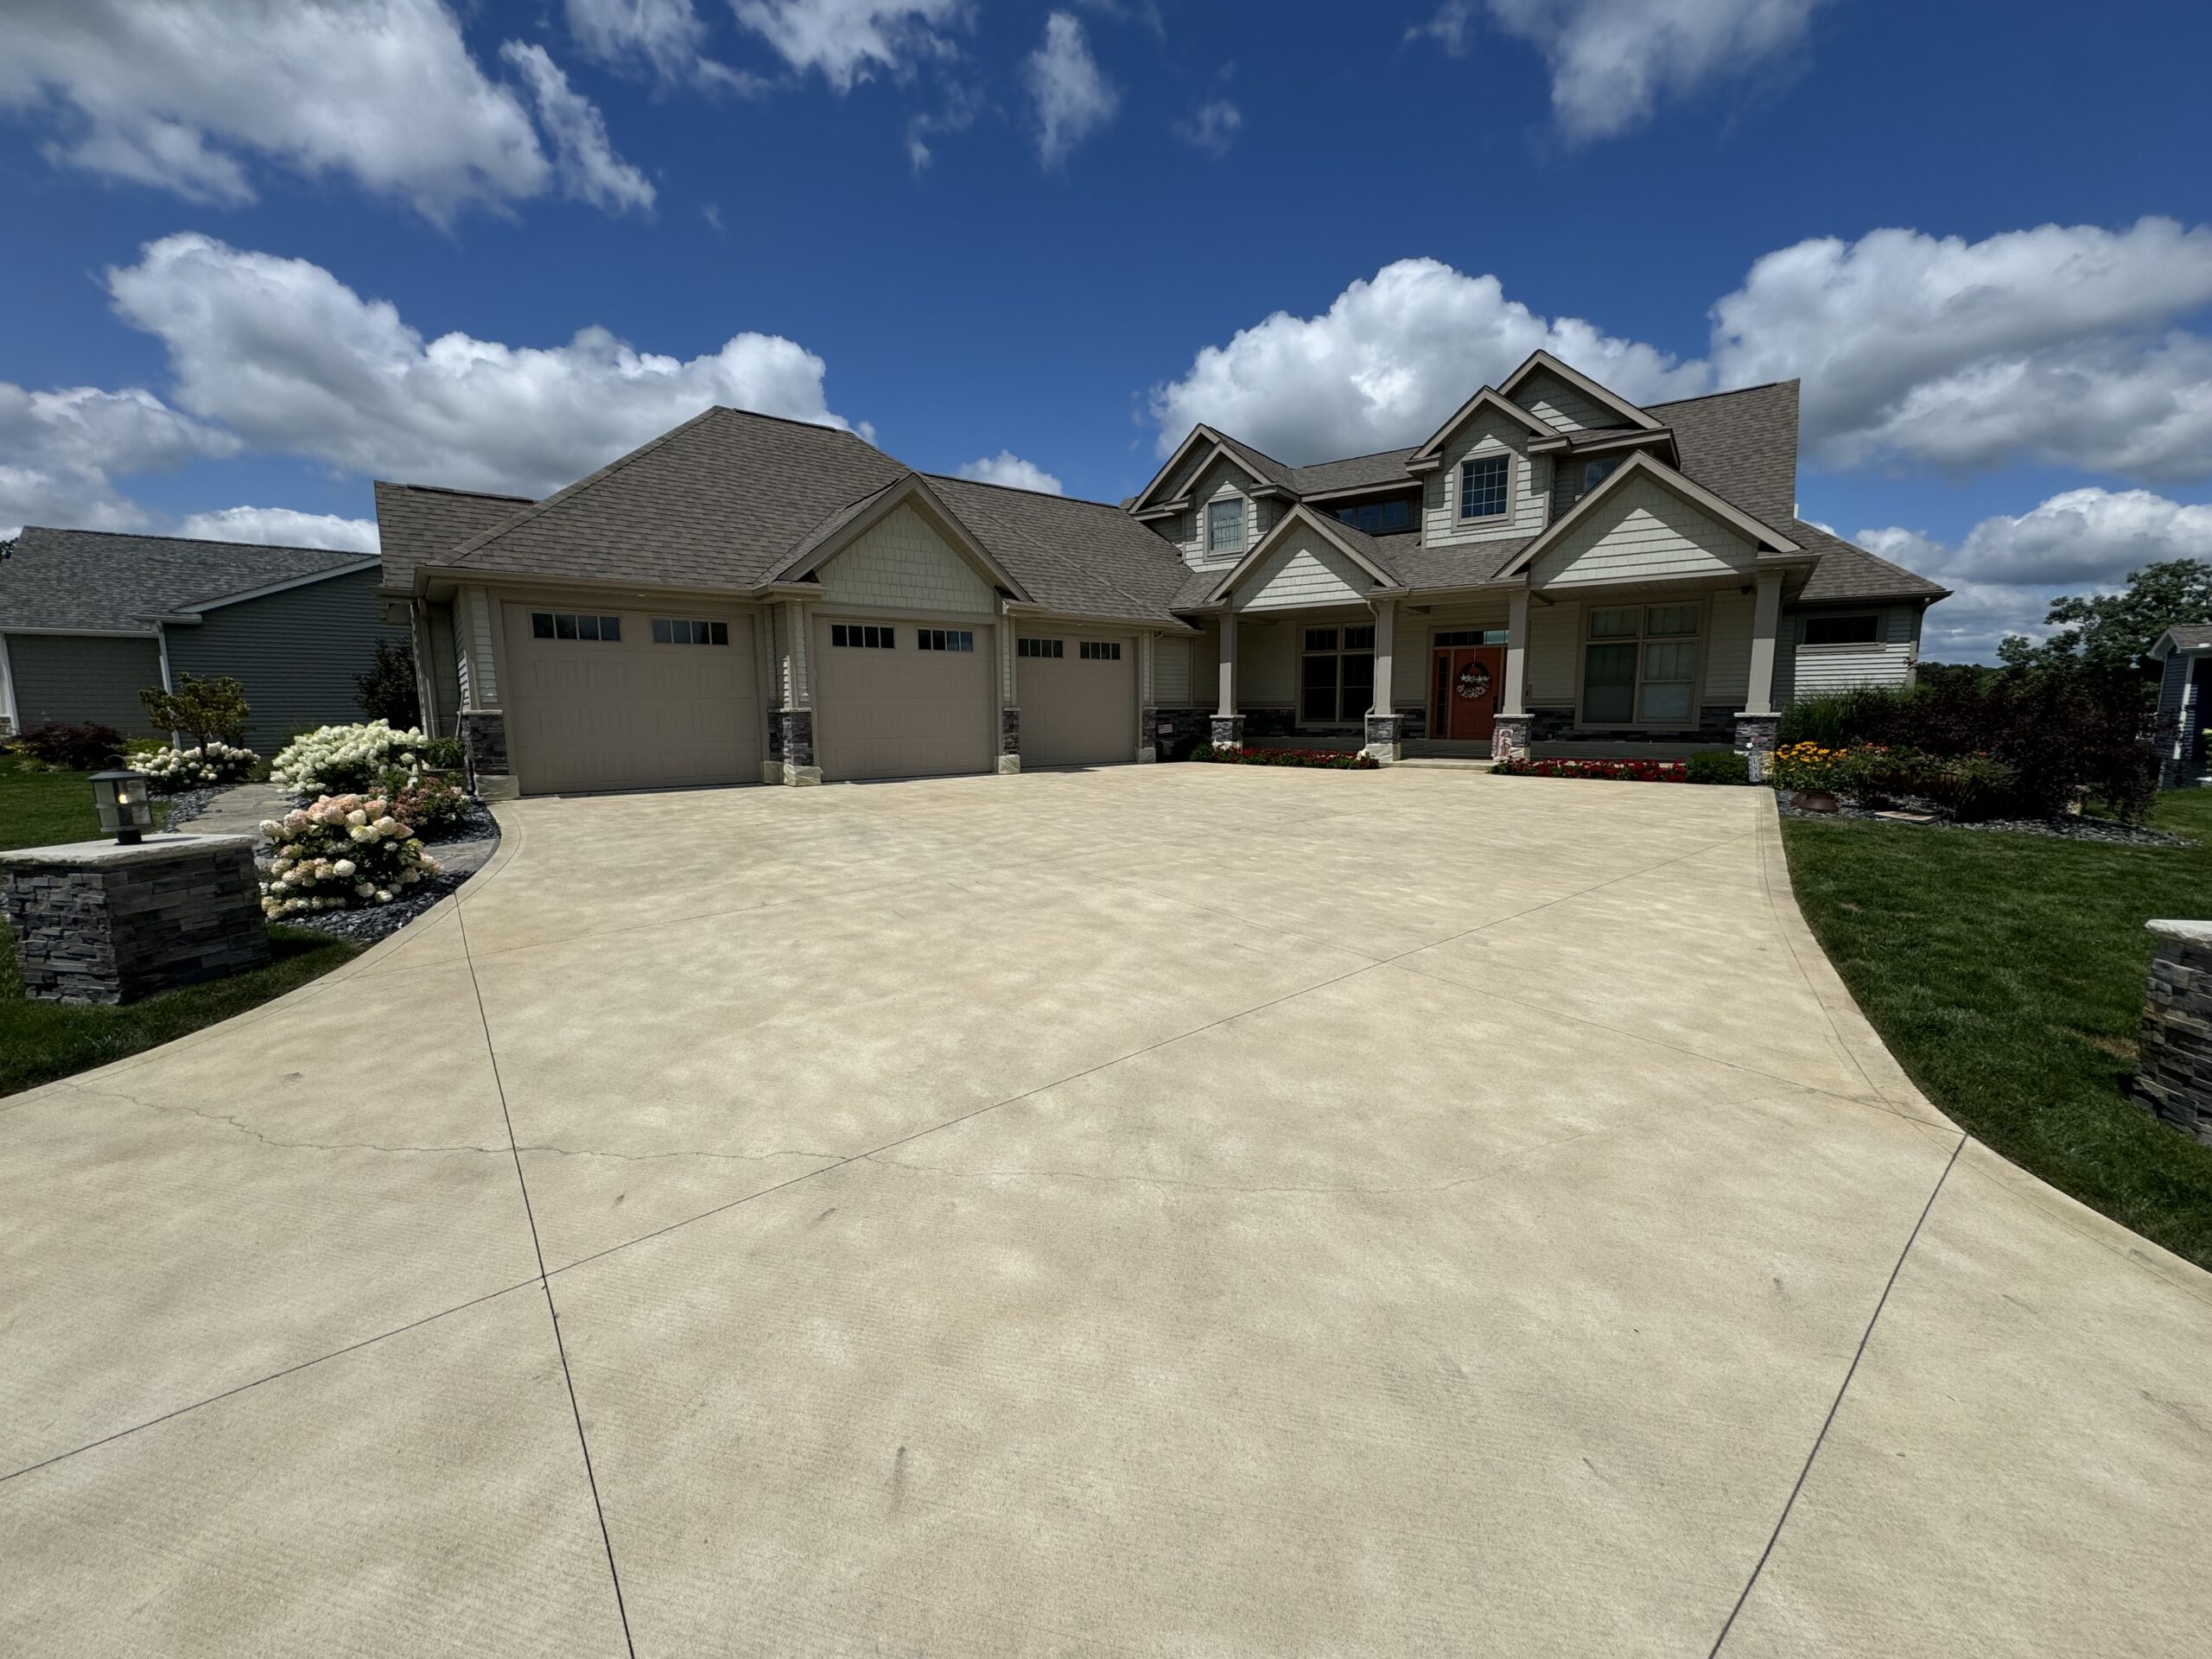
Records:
x=1474, y=681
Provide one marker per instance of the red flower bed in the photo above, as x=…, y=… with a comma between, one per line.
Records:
x=1328, y=760
x=1633, y=771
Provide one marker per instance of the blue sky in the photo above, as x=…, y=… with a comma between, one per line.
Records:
x=1056, y=234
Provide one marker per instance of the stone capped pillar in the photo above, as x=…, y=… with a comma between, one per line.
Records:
x=1385, y=737
x=1009, y=739
x=484, y=744
x=1508, y=737
x=1227, y=731
x=1755, y=740
x=2173, y=1077
x=98, y=922
x=795, y=743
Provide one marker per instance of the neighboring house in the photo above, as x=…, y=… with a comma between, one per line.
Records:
x=2184, y=654
x=90, y=618
x=748, y=597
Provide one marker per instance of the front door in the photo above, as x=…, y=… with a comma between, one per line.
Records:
x=1465, y=687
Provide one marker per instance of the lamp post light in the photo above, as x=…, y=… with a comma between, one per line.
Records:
x=125, y=807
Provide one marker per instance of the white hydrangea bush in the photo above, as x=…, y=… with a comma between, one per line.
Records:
x=334, y=758
x=172, y=772
x=343, y=852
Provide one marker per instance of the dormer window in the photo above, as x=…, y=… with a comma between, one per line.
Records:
x=1595, y=472
x=1225, y=525
x=1378, y=517
x=1485, y=486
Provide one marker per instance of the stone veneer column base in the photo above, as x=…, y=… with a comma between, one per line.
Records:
x=2173, y=1077
x=1509, y=736
x=484, y=745
x=791, y=747
x=1227, y=731
x=1755, y=741
x=1385, y=737
x=98, y=922
x=1009, y=741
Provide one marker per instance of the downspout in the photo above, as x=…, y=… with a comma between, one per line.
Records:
x=162, y=642
x=13, y=723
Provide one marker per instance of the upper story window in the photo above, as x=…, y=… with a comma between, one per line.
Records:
x=1842, y=630
x=1595, y=472
x=1485, y=486
x=682, y=631
x=1376, y=516
x=567, y=625
x=1225, y=525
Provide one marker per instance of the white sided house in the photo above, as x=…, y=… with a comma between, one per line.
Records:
x=747, y=598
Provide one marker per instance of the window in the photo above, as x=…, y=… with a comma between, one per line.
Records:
x=1378, y=517
x=1470, y=637
x=569, y=624
x=1595, y=472
x=862, y=636
x=1639, y=666
x=1336, y=674
x=1101, y=651
x=1225, y=525
x=677, y=631
x=1485, y=486
x=943, y=639
x=1842, y=630
x=1038, y=647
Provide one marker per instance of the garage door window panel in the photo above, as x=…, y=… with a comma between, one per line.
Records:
x=572, y=625
x=683, y=631
x=945, y=639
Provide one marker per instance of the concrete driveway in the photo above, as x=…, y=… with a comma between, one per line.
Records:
x=1165, y=1211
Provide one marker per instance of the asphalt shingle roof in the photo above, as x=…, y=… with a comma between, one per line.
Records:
x=1378, y=471
x=1849, y=572
x=1087, y=557
x=1741, y=445
x=103, y=581
x=419, y=524
x=2192, y=636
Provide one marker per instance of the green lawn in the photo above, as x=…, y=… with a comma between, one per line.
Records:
x=2005, y=973
x=40, y=1041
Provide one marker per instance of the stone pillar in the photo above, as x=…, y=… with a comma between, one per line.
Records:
x=1148, y=746
x=1227, y=728
x=1755, y=740
x=796, y=744
x=1009, y=739
x=2173, y=1077
x=484, y=743
x=1508, y=737
x=98, y=922
x=1385, y=737
x=1766, y=624
x=1513, y=697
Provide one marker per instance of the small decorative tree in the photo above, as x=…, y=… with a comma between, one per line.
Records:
x=386, y=692
x=199, y=710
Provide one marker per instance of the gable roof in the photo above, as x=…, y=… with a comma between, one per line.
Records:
x=107, y=581
x=849, y=524
x=1425, y=453
x=1543, y=361
x=1083, y=558
x=1642, y=466
x=2183, y=636
x=1742, y=445
x=1363, y=549
x=1847, y=572
x=1358, y=473
x=418, y=524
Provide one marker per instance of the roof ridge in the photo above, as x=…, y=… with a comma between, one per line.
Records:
x=1368, y=455
x=1023, y=489
x=1730, y=392
x=196, y=541
x=454, y=489
x=1053, y=555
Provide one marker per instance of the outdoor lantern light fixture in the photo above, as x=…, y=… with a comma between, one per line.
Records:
x=126, y=809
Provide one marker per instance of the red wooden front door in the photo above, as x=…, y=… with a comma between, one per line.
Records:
x=1465, y=687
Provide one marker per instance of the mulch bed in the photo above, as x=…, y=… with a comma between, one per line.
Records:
x=366, y=925
x=2110, y=831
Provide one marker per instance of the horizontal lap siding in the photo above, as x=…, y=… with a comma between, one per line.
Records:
x=1641, y=533
x=1266, y=658
x=1807, y=670
x=296, y=652
x=1559, y=406
x=1728, y=647
x=1553, y=632
x=1303, y=571
x=1488, y=434
x=903, y=564
x=1172, y=675
x=72, y=679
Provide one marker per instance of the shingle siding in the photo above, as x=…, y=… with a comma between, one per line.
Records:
x=72, y=679
x=1488, y=434
x=1303, y=571
x=296, y=652
x=1638, y=533
x=903, y=564
x=1560, y=406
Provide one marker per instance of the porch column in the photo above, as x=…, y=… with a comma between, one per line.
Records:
x=483, y=722
x=1757, y=723
x=1385, y=732
x=1228, y=724
x=792, y=732
x=1009, y=699
x=1509, y=732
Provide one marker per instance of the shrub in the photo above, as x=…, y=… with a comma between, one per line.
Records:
x=386, y=690
x=343, y=852
x=1326, y=759
x=434, y=808
x=340, y=758
x=444, y=754
x=206, y=711
x=1973, y=787
x=86, y=747
x=1718, y=766
x=1633, y=771
x=172, y=772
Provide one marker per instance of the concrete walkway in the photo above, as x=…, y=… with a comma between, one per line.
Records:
x=1179, y=1209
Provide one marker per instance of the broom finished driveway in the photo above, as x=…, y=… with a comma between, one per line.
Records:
x=1174, y=1209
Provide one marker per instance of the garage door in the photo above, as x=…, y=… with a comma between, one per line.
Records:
x=899, y=700
x=629, y=700
x=1077, y=693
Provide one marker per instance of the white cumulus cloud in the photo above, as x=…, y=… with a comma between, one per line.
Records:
x=1613, y=62
x=61, y=452
x=1212, y=127
x=589, y=168
x=182, y=96
x=288, y=357
x=1007, y=467
x=848, y=40
x=281, y=527
x=1072, y=96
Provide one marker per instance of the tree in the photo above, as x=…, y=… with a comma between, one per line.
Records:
x=2118, y=630
x=199, y=710
x=386, y=692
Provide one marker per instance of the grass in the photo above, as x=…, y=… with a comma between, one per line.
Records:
x=2005, y=973
x=42, y=1041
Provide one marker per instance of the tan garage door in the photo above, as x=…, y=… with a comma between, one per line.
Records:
x=602, y=699
x=900, y=700
x=1077, y=693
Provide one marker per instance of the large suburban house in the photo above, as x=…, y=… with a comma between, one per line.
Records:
x=747, y=597
x=90, y=618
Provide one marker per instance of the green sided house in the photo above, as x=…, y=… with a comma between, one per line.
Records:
x=90, y=618
x=747, y=598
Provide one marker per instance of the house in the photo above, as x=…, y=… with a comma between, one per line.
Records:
x=2184, y=654
x=90, y=618
x=749, y=597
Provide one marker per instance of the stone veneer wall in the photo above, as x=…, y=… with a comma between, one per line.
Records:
x=2173, y=1078
x=158, y=916
x=1716, y=725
